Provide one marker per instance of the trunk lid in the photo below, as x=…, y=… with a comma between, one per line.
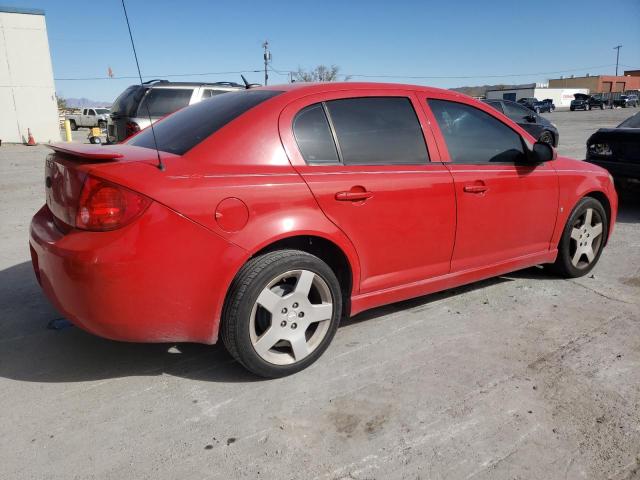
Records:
x=68, y=167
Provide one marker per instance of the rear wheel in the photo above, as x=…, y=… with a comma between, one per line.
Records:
x=282, y=311
x=602, y=106
x=537, y=109
x=582, y=240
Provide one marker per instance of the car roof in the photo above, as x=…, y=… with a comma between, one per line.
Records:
x=302, y=89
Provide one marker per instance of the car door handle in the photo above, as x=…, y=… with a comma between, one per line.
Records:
x=475, y=188
x=353, y=196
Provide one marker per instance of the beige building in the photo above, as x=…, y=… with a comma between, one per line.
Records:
x=27, y=91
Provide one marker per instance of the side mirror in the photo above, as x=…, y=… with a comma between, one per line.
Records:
x=542, y=152
x=531, y=118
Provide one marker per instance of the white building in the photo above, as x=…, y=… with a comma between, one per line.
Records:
x=27, y=92
x=561, y=96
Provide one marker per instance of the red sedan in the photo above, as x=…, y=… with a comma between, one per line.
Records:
x=280, y=210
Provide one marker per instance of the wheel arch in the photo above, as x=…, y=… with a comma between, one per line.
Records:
x=326, y=250
x=606, y=204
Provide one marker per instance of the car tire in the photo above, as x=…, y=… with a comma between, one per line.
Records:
x=272, y=299
x=537, y=109
x=546, y=137
x=571, y=109
x=72, y=125
x=582, y=240
x=588, y=107
x=102, y=124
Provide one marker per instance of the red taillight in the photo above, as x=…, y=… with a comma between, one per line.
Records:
x=131, y=128
x=107, y=206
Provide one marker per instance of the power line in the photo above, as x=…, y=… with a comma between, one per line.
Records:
x=129, y=77
x=445, y=77
x=360, y=75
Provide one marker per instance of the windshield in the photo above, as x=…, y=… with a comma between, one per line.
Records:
x=185, y=129
x=631, y=122
x=102, y=111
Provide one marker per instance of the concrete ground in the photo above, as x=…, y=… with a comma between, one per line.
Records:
x=525, y=376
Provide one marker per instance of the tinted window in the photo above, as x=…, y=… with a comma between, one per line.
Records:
x=127, y=103
x=188, y=127
x=313, y=136
x=377, y=131
x=474, y=136
x=163, y=101
x=102, y=111
x=497, y=106
x=91, y=112
x=517, y=113
x=208, y=93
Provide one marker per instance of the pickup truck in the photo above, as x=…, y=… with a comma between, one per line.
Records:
x=90, y=117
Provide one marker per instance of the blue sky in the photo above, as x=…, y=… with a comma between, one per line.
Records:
x=397, y=38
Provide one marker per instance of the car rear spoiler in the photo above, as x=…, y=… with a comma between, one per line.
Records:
x=87, y=152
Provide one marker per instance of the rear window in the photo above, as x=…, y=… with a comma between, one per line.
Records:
x=126, y=104
x=163, y=101
x=182, y=131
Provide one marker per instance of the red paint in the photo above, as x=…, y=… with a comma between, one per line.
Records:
x=232, y=214
x=405, y=230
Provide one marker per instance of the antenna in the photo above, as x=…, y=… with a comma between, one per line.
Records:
x=247, y=85
x=135, y=55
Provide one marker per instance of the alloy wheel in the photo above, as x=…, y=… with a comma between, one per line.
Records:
x=586, y=238
x=291, y=317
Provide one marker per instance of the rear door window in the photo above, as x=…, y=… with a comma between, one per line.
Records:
x=188, y=127
x=313, y=135
x=377, y=131
x=497, y=106
x=474, y=136
x=517, y=113
x=163, y=101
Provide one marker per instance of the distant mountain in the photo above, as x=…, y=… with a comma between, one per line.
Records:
x=85, y=102
x=481, y=91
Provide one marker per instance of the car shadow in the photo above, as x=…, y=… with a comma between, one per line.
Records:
x=37, y=345
x=629, y=205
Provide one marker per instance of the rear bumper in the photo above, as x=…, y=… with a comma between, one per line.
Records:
x=161, y=278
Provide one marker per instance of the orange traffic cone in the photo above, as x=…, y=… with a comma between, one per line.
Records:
x=30, y=139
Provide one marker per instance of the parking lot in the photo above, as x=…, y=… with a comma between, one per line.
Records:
x=520, y=376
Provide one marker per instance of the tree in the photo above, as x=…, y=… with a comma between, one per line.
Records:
x=62, y=103
x=321, y=73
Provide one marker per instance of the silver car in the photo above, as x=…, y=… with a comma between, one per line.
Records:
x=155, y=99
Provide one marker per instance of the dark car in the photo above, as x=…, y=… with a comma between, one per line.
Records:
x=626, y=101
x=582, y=101
x=536, y=105
x=617, y=149
x=538, y=126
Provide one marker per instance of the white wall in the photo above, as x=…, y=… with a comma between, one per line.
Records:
x=561, y=96
x=27, y=91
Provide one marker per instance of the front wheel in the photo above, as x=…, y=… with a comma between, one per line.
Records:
x=602, y=106
x=583, y=239
x=281, y=313
x=72, y=125
x=546, y=137
x=102, y=124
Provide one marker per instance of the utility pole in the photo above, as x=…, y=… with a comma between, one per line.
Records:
x=267, y=59
x=617, y=47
